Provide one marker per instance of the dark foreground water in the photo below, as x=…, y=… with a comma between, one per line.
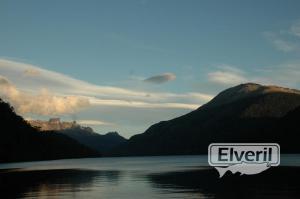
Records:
x=144, y=177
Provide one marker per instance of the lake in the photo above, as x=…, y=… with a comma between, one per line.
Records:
x=143, y=178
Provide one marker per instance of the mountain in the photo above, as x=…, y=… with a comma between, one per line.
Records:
x=244, y=113
x=84, y=135
x=100, y=143
x=21, y=142
x=289, y=127
x=54, y=124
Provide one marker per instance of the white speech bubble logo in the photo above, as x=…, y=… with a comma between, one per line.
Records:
x=245, y=158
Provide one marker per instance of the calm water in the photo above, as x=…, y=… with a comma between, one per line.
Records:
x=144, y=177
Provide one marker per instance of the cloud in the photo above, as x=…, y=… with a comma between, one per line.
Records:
x=227, y=75
x=162, y=78
x=32, y=72
x=295, y=29
x=139, y=104
x=280, y=43
x=94, y=123
x=4, y=81
x=63, y=85
x=43, y=103
x=286, y=74
x=287, y=40
x=283, y=45
x=133, y=110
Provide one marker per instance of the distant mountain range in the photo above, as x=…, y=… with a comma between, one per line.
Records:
x=100, y=143
x=244, y=113
x=84, y=135
x=19, y=141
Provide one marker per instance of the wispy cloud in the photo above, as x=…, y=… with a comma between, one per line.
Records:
x=56, y=86
x=94, y=123
x=162, y=78
x=227, y=75
x=285, y=74
x=140, y=104
x=295, y=28
x=280, y=43
x=31, y=72
x=287, y=40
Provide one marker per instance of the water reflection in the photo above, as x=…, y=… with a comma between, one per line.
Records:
x=16, y=184
x=280, y=182
x=151, y=177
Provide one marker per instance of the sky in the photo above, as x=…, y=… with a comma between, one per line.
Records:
x=124, y=65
